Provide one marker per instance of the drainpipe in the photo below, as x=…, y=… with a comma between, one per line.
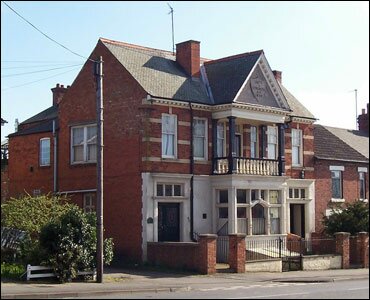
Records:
x=192, y=175
x=55, y=158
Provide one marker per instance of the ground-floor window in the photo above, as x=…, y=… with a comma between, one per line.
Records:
x=89, y=202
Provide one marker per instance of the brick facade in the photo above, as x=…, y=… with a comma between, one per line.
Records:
x=323, y=187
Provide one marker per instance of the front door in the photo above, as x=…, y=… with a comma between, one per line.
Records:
x=168, y=222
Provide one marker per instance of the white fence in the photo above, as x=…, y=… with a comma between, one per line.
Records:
x=42, y=272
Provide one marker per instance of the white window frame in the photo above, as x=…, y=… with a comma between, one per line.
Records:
x=362, y=181
x=85, y=143
x=254, y=141
x=172, y=184
x=299, y=146
x=205, y=137
x=223, y=148
x=174, y=138
x=89, y=205
x=272, y=131
x=41, y=157
x=341, y=185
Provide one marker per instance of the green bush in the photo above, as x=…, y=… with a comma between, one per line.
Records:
x=70, y=244
x=12, y=271
x=29, y=213
x=354, y=218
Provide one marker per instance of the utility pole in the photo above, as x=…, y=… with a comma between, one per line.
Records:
x=100, y=178
x=356, y=108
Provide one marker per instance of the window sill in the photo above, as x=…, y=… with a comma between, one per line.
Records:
x=364, y=200
x=81, y=164
x=337, y=200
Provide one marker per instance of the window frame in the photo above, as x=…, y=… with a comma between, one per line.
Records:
x=85, y=144
x=41, y=152
x=300, y=147
x=362, y=184
x=174, y=156
x=172, y=184
x=91, y=206
x=269, y=133
x=205, y=139
x=255, y=147
x=332, y=172
x=223, y=145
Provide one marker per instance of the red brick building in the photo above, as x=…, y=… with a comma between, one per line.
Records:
x=341, y=169
x=191, y=145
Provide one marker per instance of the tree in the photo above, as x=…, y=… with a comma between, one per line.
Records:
x=69, y=244
x=354, y=218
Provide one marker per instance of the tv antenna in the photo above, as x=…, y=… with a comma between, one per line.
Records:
x=173, y=41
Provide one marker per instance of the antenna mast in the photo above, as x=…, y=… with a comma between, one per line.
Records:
x=173, y=38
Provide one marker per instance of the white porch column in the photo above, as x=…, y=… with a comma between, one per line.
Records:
x=267, y=220
x=250, y=224
x=232, y=210
x=285, y=216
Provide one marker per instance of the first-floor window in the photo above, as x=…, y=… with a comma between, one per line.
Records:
x=253, y=141
x=220, y=140
x=200, y=138
x=89, y=202
x=45, y=152
x=84, y=139
x=336, y=184
x=271, y=142
x=296, y=147
x=169, y=135
x=362, y=178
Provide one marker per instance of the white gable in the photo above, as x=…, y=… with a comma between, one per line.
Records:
x=261, y=87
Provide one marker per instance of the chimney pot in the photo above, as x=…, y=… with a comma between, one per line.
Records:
x=58, y=93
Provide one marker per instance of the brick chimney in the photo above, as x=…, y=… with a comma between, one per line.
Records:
x=363, y=120
x=188, y=56
x=277, y=75
x=58, y=93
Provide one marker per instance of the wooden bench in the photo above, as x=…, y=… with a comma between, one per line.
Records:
x=41, y=272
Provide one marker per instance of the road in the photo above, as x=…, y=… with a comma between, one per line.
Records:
x=343, y=289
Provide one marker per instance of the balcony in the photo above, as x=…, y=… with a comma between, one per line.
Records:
x=246, y=166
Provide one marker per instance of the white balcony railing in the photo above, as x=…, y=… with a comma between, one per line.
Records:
x=248, y=166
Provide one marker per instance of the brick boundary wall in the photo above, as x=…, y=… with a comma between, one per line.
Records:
x=237, y=252
x=363, y=251
x=199, y=257
x=342, y=247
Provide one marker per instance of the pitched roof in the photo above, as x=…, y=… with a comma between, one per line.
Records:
x=47, y=114
x=46, y=126
x=340, y=144
x=158, y=73
x=227, y=75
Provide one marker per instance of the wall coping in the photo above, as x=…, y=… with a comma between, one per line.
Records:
x=175, y=244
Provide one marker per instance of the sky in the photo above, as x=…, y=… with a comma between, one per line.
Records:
x=322, y=48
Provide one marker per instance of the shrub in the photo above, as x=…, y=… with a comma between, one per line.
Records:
x=354, y=218
x=12, y=271
x=70, y=244
x=29, y=213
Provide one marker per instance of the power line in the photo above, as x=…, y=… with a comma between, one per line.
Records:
x=30, y=67
x=27, y=83
x=46, y=34
x=39, y=61
x=39, y=71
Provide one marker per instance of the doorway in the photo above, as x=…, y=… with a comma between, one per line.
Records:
x=168, y=222
x=297, y=219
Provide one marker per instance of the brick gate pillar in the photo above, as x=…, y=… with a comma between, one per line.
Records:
x=342, y=247
x=237, y=252
x=363, y=252
x=207, y=253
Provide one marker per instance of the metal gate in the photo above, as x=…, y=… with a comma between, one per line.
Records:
x=292, y=253
x=222, y=251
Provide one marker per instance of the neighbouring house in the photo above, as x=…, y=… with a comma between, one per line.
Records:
x=191, y=146
x=341, y=168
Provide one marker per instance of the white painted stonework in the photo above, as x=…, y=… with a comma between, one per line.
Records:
x=321, y=262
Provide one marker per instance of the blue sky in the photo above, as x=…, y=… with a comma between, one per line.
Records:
x=322, y=48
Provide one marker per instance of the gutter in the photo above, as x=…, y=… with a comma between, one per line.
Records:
x=192, y=175
x=55, y=173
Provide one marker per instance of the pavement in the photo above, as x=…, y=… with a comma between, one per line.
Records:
x=137, y=280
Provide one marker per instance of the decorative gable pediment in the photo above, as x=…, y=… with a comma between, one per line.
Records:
x=261, y=88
